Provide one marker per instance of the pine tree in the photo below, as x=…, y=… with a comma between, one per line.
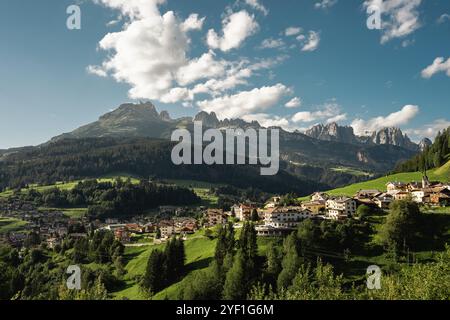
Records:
x=234, y=287
x=291, y=261
x=153, y=280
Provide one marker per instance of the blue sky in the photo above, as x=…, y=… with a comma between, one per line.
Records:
x=239, y=58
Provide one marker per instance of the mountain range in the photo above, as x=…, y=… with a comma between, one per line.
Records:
x=143, y=120
x=330, y=154
x=385, y=136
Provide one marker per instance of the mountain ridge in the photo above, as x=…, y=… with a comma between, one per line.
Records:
x=385, y=136
x=329, y=161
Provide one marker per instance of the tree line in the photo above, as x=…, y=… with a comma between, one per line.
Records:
x=75, y=159
x=106, y=199
x=433, y=156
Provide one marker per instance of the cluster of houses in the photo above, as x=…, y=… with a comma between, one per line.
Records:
x=278, y=220
x=124, y=232
x=274, y=218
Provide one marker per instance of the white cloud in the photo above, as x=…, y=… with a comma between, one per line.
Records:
x=268, y=120
x=271, y=43
x=338, y=118
x=396, y=119
x=324, y=4
x=236, y=74
x=192, y=23
x=438, y=65
x=312, y=42
x=294, y=103
x=148, y=52
x=255, y=4
x=429, y=130
x=177, y=94
x=329, y=110
x=134, y=9
x=245, y=102
x=204, y=67
x=400, y=17
x=292, y=31
x=236, y=28
x=96, y=70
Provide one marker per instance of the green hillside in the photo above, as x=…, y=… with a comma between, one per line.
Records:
x=440, y=174
x=199, y=250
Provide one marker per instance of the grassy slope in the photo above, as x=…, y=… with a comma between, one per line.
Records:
x=11, y=224
x=199, y=251
x=67, y=185
x=440, y=174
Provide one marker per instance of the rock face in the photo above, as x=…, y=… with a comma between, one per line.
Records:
x=165, y=116
x=208, y=119
x=324, y=146
x=386, y=136
x=394, y=137
x=128, y=120
x=424, y=143
x=332, y=132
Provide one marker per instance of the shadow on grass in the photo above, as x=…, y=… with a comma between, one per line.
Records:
x=132, y=255
x=199, y=264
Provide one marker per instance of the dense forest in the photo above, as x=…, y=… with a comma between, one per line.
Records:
x=37, y=273
x=433, y=156
x=68, y=160
x=107, y=199
x=307, y=264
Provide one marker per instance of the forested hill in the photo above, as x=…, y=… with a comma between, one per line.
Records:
x=433, y=156
x=72, y=159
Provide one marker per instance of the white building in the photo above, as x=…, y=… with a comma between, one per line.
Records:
x=340, y=208
x=286, y=217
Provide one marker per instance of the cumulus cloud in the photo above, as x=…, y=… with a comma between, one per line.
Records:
x=268, y=120
x=255, y=4
x=151, y=54
x=329, y=110
x=193, y=22
x=245, y=102
x=312, y=42
x=400, y=17
x=204, y=67
x=337, y=118
x=294, y=103
x=271, y=43
x=438, y=65
x=428, y=130
x=237, y=74
x=396, y=119
x=150, y=49
x=292, y=31
x=236, y=28
x=325, y=4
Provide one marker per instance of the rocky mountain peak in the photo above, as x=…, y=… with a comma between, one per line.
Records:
x=131, y=111
x=208, y=119
x=165, y=116
x=393, y=136
x=424, y=143
x=332, y=132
